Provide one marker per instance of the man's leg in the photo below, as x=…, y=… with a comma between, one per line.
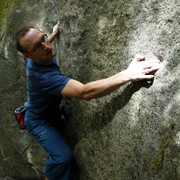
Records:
x=59, y=159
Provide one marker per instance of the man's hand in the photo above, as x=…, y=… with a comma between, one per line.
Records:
x=55, y=33
x=140, y=69
x=56, y=28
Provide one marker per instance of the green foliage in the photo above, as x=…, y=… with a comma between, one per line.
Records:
x=5, y=8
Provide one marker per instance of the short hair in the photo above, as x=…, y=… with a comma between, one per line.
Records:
x=21, y=33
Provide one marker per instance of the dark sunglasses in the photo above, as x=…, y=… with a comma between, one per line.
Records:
x=38, y=46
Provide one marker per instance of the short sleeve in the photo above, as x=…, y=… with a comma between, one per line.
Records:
x=53, y=82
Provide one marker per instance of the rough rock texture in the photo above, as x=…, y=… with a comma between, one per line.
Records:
x=133, y=133
x=15, y=161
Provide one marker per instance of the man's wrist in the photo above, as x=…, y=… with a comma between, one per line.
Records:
x=55, y=33
x=125, y=76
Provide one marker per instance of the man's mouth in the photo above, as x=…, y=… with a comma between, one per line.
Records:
x=49, y=52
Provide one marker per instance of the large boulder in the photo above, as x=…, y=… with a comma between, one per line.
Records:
x=134, y=133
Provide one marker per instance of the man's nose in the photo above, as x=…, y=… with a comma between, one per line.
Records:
x=45, y=46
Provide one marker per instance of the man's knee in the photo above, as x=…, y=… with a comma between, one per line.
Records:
x=64, y=158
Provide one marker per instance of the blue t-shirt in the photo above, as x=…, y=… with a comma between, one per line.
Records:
x=44, y=84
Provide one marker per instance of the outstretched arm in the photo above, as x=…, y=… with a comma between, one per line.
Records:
x=137, y=70
x=54, y=34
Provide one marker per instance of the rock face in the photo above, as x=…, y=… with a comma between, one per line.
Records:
x=134, y=133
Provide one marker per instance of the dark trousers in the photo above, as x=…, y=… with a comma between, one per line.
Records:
x=59, y=159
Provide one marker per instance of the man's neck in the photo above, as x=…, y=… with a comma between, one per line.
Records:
x=45, y=63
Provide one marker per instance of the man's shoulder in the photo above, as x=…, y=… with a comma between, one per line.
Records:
x=32, y=65
x=38, y=70
x=33, y=69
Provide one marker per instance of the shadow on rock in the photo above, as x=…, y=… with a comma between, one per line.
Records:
x=106, y=114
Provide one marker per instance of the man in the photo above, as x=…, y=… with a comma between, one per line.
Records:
x=46, y=85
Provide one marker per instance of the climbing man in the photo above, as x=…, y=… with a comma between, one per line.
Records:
x=46, y=86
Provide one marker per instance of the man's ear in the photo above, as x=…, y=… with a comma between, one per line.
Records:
x=27, y=55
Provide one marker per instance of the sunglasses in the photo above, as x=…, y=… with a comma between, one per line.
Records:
x=39, y=45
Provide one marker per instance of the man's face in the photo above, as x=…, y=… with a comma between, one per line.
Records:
x=31, y=40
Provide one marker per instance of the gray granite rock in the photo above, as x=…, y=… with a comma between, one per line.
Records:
x=134, y=133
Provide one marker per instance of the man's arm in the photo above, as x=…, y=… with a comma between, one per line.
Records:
x=54, y=33
x=137, y=70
